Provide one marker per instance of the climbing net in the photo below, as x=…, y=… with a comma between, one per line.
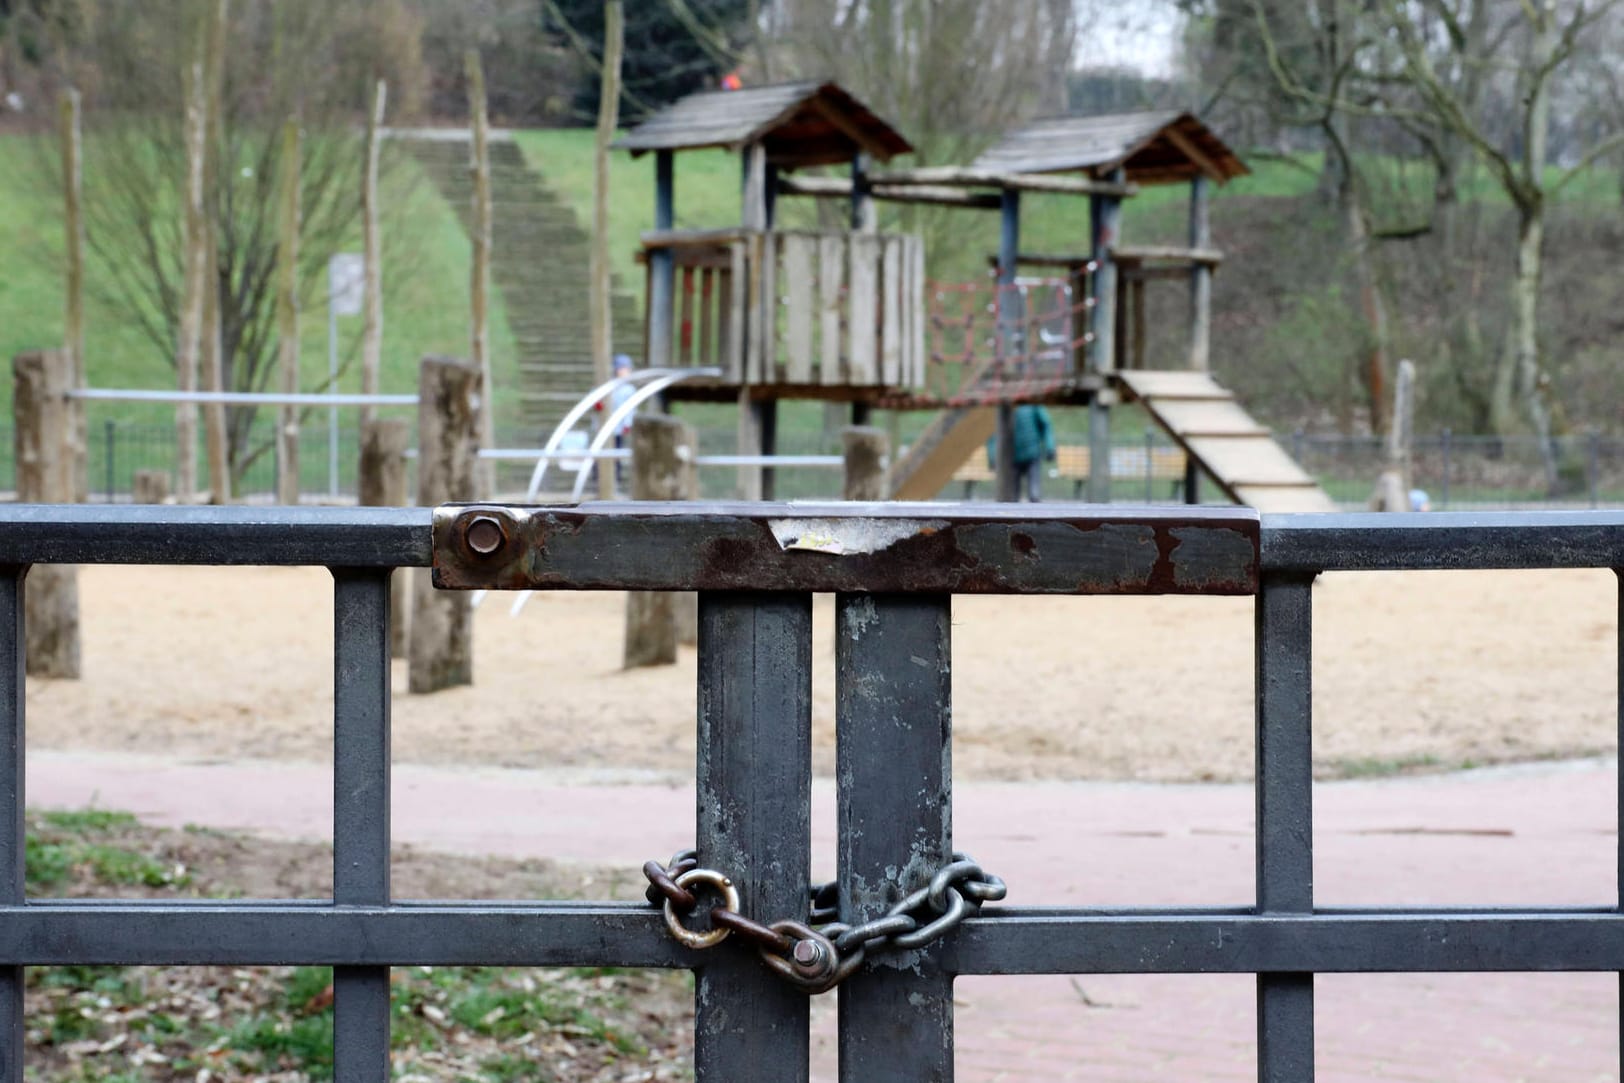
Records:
x=1000, y=342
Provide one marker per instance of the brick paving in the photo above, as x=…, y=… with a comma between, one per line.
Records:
x=1541, y=835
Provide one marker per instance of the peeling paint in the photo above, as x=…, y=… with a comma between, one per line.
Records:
x=846, y=537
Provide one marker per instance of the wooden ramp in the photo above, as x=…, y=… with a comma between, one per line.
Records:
x=952, y=437
x=1233, y=449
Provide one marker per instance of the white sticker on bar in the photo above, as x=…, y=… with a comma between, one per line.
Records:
x=844, y=537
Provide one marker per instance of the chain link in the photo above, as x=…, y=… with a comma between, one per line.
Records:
x=818, y=955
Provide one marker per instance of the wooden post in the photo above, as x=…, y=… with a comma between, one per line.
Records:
x=598, y=295
x=1099, y=446
x=663, y=450
x=382, y=481
x=74, y=314
x=372, y=263
x=1200, y=276
x=189, y=345
x=1106, y=226
x=1009, y=320
x=1393, y=487
x=448, y=410
x=287, y=315
x=863, y=218
x=213, y=357
x=662, y=265
x=479, y=286
x=44, y=456
x=150, y=487
x=867, y=454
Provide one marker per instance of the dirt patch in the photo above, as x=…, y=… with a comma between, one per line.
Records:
x=1412, y=671
x=275, y=1024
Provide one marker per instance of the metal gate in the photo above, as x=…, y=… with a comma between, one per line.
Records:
x=894, y=570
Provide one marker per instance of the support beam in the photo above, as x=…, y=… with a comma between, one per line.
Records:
x=958, y=177
x=1200, y=277
x=662, y=265
x=1099, y=449
x=1009, y=346
x=1106, y=223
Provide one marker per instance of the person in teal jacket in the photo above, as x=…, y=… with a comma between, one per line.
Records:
x=1034, y=443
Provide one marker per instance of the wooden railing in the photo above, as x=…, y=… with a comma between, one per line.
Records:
x=793, y=307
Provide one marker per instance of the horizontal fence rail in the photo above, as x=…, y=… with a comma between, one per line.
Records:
x=894, y=569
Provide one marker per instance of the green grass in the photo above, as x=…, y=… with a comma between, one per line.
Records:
x=427, y=269
x=252, y=1021
x=425, y=297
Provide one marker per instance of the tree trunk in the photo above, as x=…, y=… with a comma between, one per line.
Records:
x=216, y=436
x=189, y=348
x=480, y=266
x=287, y=316
x=372, y=282
x=598, y=296
x=74, y=317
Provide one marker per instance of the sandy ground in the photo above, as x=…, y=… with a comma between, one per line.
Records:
x=1413, y=671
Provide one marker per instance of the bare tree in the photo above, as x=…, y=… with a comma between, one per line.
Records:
x=953, y=74
x=1545, y=38
x=308, y=58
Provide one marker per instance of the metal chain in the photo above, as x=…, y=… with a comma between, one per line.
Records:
x=819, y=954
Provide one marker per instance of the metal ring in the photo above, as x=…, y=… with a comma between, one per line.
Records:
x=730, y=896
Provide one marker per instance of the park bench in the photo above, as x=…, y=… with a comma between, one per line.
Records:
x=1147, y=464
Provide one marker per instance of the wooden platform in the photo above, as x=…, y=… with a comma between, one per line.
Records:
x=1233, y=449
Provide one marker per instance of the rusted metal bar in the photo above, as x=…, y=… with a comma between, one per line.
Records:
x=877, y=549
x=893, y=687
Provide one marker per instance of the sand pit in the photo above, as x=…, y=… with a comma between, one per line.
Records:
x=1413, y=672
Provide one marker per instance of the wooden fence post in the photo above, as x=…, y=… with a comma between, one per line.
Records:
x=1393, y=486
x=384, y=442
x=448, y=417
x=662, y=469
x=867, y=452
x=150, y=487
x=45, y=475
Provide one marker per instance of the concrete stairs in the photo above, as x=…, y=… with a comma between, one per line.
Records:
x=539, y=263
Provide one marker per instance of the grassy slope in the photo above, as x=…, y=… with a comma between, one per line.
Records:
x=425, y=297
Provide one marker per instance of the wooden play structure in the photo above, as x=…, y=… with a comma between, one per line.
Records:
x=846, y=315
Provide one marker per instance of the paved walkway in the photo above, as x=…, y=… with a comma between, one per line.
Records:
x=1527, y=836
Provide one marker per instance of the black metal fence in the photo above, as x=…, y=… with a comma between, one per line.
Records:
x=756, y=568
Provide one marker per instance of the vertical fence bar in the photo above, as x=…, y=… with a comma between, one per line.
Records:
x=1285, y=821
x=13, y=825
x=1593, y=466
x=1448, y=439
x=1619, y=795
x=894, y=732
x=109, y=437
x=754, y=824
x=361, y=810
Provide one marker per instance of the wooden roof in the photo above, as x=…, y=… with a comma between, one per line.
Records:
x=802, y=124
x=1151, y=148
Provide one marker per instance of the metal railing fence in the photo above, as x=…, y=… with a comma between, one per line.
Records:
x=1454, y=471
x=756, y=568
